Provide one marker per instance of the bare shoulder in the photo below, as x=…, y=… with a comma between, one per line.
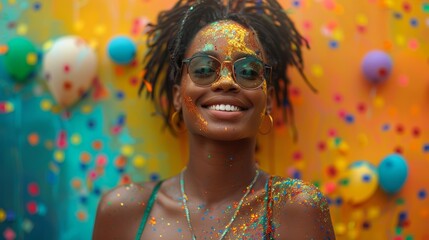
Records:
x=300, y=210
x=120, y=211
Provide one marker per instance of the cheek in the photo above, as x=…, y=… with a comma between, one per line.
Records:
x=191, y=109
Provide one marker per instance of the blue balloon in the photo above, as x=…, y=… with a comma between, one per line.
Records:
x=392, y=173
x=122, y=50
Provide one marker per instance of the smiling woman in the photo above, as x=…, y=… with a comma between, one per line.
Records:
x=225, y=64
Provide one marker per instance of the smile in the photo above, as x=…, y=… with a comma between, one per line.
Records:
x=224, y=107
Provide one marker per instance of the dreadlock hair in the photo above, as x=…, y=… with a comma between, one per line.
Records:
x=169, y=38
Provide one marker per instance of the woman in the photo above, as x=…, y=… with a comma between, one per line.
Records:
x=225, y=64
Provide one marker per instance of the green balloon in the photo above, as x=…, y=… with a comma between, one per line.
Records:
x=21, y=58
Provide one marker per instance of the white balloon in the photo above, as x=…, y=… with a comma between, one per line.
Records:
x=69, y=66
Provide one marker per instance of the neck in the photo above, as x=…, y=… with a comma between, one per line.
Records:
x=218, y=169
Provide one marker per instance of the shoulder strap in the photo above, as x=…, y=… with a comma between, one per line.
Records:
x=268, y=229
x=148, y=209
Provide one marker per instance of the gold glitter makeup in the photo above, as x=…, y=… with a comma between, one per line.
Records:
x=236, y=36
x=264, y=88
x=202, y=123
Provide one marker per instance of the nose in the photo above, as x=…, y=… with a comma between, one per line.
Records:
x=225, y=82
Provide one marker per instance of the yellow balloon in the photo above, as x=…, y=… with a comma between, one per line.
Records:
x=359, y=182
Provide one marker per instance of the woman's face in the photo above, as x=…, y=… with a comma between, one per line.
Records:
x=223, y=110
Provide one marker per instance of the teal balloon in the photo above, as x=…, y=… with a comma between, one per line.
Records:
x=21, y=58
x=122, y=50
x=392, y=173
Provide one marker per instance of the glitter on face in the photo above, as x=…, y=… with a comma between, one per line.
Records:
x=237, y=38
x=208, y=47
x=264, y=88
x=202, y=123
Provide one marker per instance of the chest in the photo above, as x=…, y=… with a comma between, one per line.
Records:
x=168, y=220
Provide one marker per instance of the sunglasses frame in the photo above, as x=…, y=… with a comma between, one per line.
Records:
x=265, y=75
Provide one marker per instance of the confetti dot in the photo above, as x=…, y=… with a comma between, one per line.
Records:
x=378, y=102
x=406, y=7
x=3, y=49
x=27, y=225
x=33, y=189
x=32, y=58
x=400, y=40
x=139, y=161
x=413, y=44
x=6, y=107
x=120, y=95
x=422, y=194
x=426, y=147
x=101, y=160
x=91, y=123
x=340, y=228
x=333, y=44
x=41, y=209
x=81, y=215
x=59, y=156
x=85, y=158
x=9, y=234
x=414, y=22
x=86, y=109
x=349, y=118
x=75, y=139
x=373, y=212
x=32, y=207
x=46, y=105
x=92, y=175
x=317, y=70
x=361, y=19
x=76, y=183
x=47, y=45
x=2, y=215
x=120, y=162
x=154, y=177
x=33, y=139
x=37, y=6
x=97, y=145
x=127, y=150
x=397, y=15
x=22, y=29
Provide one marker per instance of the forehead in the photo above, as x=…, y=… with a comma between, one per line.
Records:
x=225, y=38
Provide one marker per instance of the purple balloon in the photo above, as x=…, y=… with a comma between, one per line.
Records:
x=376, y=66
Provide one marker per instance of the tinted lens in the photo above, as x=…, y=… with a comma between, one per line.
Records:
x=203, y=70
x=249, y=72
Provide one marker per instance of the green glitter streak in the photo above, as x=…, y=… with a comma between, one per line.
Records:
x=208, y=47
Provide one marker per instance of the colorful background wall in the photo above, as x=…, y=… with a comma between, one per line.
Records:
x=55, y=163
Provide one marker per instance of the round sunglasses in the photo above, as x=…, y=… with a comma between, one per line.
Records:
x=248, y=72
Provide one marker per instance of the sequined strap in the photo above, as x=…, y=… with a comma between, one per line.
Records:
x=148, y=209
x=268, y=229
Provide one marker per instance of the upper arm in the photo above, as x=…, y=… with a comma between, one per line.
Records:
x=304, y=214
x=119, y=213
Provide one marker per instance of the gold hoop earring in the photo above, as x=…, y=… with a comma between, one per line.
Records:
x=265, y=130
x=175, y=122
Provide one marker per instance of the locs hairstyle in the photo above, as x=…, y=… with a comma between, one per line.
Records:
x=169, y=38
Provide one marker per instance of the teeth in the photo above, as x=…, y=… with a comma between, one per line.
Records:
x=224, y=107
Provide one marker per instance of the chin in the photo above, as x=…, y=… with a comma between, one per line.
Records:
x=226, y=133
